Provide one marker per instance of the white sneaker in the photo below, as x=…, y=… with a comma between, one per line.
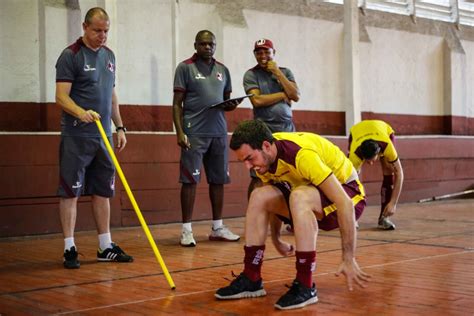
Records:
x=386, y=224
x=187, y=239
x=223, y=234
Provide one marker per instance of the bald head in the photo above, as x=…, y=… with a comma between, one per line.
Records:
x=96, y=28
x=95, y=12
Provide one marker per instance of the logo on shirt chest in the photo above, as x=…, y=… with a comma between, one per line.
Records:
x=219, y=76
x=87, y=67
x=199, y=76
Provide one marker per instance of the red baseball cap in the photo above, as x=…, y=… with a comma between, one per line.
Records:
x=263, y=43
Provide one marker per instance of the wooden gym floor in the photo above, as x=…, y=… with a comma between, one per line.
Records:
x=425, y=267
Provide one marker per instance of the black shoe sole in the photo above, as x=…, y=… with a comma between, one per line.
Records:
x=187, y=246
x=72, y=267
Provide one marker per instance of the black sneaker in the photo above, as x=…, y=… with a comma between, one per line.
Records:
x=113, y=254
x=241, y=287
x=70, y=259
x=298, y=296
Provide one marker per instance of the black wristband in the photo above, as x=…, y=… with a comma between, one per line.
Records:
x=123, y=128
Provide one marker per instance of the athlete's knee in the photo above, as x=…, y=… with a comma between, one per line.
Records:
x=265, y=197
x=261, y=193
x=304, y=197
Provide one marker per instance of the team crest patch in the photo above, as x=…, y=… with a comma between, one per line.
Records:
x=111, y=67
x=219, y=76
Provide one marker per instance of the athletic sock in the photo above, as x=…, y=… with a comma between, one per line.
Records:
x=216, y=224
x=105, y=241
x=386, y=192
x=253, y=262
x=305, y=265
x=69, y=243
x=187, y=227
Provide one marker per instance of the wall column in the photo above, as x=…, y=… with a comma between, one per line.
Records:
x=351, y=64
x=455, y=86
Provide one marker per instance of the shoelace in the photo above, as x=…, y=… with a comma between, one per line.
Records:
x=222, y=228
x=233, y=275
x=117, y=249
x=293, y=288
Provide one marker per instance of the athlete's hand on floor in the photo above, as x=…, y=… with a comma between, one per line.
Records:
x=353, y=274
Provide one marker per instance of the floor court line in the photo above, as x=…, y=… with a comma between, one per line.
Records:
x=382, y=242
x=155, y=274
x=273, y=281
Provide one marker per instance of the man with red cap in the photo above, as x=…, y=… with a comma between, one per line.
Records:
x=273, y=89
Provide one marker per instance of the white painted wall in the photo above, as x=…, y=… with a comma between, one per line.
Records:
x=60, y=33
x=469, y=49
x=19, y=51
x=314, y=57
x=144, y=52
x=401, y=72
x=192, y=18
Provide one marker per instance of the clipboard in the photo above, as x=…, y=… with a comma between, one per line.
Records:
x=220, y=104
x=225, y=103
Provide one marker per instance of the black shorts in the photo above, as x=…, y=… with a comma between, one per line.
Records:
x=85, y=167
x=210, y=151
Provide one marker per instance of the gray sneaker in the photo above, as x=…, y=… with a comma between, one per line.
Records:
x=386, y=224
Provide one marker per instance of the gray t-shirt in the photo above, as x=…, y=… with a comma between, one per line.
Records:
x=278, y=116
x=203, y=85
x=92, y=74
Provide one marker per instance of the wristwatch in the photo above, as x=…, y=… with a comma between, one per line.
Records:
x=123, y=128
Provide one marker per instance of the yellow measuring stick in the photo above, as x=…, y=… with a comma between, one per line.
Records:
x=135, y=205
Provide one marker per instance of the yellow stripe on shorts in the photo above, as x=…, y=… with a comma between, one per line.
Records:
x=355, y=199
